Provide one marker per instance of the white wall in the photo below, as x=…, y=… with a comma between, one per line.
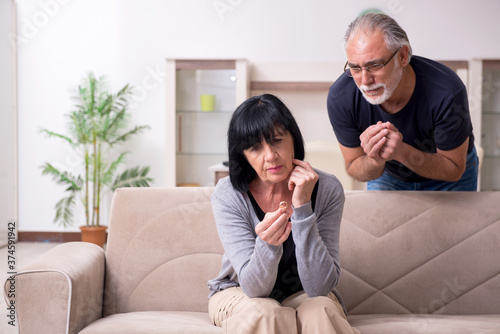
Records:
x=8, y=195
x=128, y=40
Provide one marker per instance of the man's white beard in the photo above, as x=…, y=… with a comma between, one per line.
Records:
x=377, y=99
x=389, y=88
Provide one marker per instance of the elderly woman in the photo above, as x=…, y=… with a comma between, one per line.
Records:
x=278, y=220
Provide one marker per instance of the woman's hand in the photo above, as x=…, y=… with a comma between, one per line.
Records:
x=275, y=227
x=302, y=181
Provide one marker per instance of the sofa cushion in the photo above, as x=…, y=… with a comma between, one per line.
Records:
x=421, y=253
x=162, y=249
x=428, y=324
x=153, y=322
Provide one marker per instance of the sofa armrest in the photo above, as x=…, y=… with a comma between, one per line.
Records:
x=61, y=291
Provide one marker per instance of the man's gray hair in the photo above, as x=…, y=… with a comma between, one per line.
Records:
x=395, y=36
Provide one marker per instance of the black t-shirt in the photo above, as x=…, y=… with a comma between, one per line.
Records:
x=437, y=115
x=287, y=280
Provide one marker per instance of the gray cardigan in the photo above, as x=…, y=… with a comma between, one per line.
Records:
x=252, y=263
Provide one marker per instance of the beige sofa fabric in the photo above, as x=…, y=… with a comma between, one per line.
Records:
x=62, y=291
x=161, y=250
x=421, y=252
x=412, y=262
x=154, y=322
x=425, y=324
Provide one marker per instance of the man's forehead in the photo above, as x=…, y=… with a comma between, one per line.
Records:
x=366, y=47
x=365, y=39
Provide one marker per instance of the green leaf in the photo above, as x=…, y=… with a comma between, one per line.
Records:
x=64, y=211
x=57, y=135
x=108, y=174
x=78, y=125
x=134, y=177
x=62, y=177
x=124, y=137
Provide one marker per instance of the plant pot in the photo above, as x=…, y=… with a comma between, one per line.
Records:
x=94, y=234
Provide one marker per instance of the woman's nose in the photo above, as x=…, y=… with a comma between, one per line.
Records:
x=270, y=152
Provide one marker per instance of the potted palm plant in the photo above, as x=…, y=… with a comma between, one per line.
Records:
x=96, y=129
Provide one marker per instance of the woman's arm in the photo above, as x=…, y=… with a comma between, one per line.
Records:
x=254, y=260
x=316, y=236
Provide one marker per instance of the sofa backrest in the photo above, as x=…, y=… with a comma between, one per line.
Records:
x=162, y=249
x=421, y=252
x=401, y=252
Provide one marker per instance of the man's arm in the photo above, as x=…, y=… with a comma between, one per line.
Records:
x=367, y=162
x=364, y=162
x=442, y=165
x=359, y=166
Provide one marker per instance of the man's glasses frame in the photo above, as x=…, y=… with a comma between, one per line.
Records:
x=355, y=71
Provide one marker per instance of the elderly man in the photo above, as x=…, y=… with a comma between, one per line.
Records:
x=402, y=121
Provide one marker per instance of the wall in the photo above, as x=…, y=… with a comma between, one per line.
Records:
x=128, y=40
x=8, y=159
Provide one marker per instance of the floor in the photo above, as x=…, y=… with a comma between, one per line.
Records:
x=25, y=252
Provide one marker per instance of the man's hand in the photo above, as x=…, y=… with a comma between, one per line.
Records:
x=372, y=141
x=393, y=143
x=381, y=142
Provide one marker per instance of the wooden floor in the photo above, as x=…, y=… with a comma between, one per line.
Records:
x=25, y=252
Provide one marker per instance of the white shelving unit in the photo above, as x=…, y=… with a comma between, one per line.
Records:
x=196, y=139
x=490, y=125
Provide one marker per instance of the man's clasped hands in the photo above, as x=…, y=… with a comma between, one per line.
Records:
x=381, y=142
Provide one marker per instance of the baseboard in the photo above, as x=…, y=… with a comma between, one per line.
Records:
x=48, y=236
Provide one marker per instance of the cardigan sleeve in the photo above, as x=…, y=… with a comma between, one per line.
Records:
x=254, y=260
x=316, y=236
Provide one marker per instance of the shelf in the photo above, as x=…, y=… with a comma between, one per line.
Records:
x=197, y=139
x=202, y=131
x=455, y=64
x=489, y=172
x=491, y=64
x=202, y=154
x=198, y=171
x=291, y=85
x=219, y=168
x=204, y=112
x=205, y=64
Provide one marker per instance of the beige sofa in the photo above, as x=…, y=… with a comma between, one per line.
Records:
x=413, y=262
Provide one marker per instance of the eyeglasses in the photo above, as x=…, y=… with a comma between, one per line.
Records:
x=355, y=71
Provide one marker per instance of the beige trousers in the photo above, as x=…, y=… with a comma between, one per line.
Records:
x=236, y=313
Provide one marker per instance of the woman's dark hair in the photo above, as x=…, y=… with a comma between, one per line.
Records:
x=257, y=119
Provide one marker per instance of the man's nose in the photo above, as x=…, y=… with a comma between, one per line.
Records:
x=366, y=77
